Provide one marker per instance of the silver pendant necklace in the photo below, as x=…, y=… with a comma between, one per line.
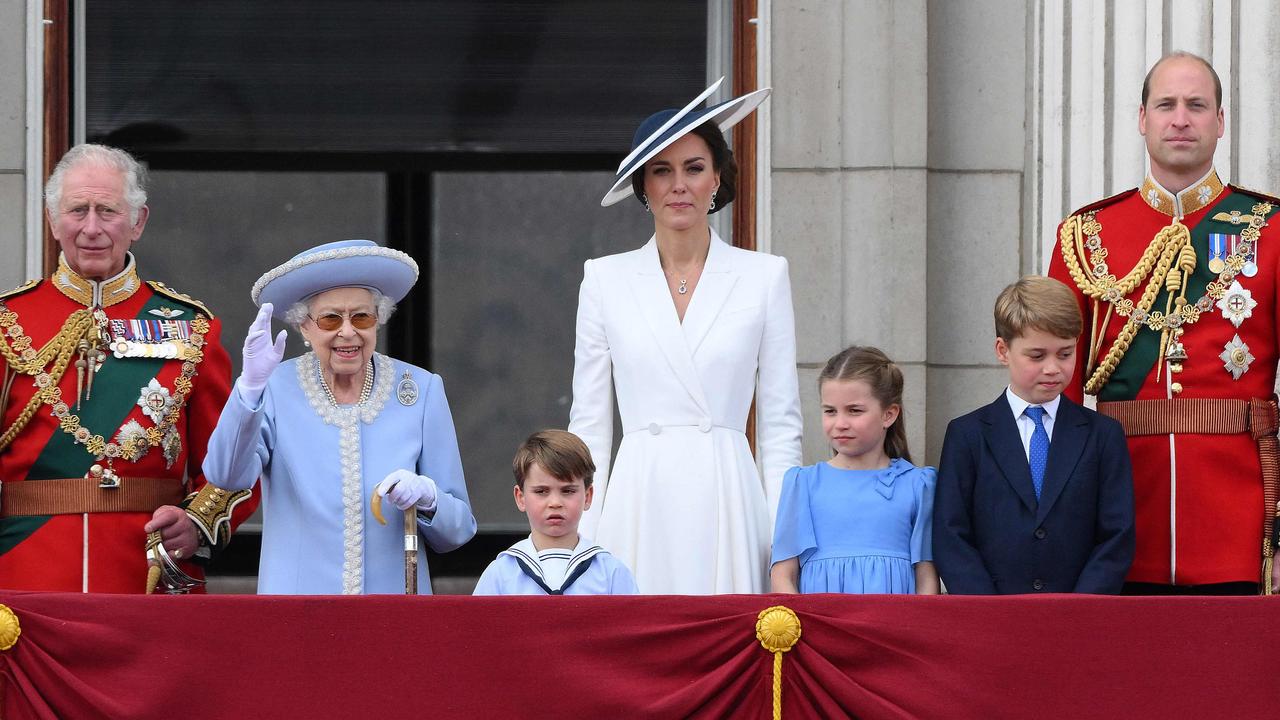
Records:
x=683, y=287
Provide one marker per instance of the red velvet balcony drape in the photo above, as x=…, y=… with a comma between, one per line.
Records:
x=90, y=656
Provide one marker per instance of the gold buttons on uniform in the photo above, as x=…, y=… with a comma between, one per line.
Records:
x=1175, y=367
x=1176, y=388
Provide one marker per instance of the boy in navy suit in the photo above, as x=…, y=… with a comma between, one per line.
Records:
x=1035, y=493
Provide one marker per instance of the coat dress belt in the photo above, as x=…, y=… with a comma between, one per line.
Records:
x=74, y=496
x=702, y=424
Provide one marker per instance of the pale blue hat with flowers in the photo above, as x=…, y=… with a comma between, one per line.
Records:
x=346, y=263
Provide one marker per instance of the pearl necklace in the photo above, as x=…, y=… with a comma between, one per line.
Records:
x=365, y=390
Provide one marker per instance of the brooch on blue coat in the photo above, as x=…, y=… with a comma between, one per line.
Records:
x=407, y=390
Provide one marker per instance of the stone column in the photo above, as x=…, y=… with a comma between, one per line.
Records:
x=976, y=164
x=848, y=202
x=13, y=143
x=1090, y=58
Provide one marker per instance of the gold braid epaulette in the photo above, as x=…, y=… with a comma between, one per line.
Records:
x=24, y=360
x=29, y=285
x=169, y=292
x=210, y=510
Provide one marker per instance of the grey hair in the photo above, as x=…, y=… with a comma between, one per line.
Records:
x=135, y=175
x=298, y=313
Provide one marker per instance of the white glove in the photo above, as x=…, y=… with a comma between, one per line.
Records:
x=406, y=490
x=261, y=356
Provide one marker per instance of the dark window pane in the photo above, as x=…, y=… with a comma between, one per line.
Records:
x=212, y=234
x=386, y=75
x=508, y=257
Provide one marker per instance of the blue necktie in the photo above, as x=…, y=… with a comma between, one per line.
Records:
x=1039, y=455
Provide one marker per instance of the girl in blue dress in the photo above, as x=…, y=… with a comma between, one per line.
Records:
x=862, y=521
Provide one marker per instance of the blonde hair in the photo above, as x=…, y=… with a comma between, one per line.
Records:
x=873, y=367
x=1036, y=302
x=561, y=454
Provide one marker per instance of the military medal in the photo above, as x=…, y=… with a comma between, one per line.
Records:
x=407, y=390
x=1250, y=262
x=1237, y=304
x=1236, y=357
x=167, y=339
x=171, y=445
x=132, y=435
x=1217, y=253
x=1248, y=268
x=155, y=401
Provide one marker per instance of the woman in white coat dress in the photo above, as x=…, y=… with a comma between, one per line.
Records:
x=688, y=329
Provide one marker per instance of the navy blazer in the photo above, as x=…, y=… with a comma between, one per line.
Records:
x=991, y=536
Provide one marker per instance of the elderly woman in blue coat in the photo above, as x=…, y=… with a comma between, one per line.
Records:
x=327, y=430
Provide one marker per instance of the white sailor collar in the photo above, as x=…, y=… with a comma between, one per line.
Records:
x=529, y=558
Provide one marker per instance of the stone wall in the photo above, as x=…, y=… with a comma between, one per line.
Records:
x=13, y=143
x=850, y=185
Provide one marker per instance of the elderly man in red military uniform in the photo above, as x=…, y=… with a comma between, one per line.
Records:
x=1177, y=281
x=111, y=388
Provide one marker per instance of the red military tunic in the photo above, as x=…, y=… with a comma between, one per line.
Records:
x=104, y=551
x=1198, y=497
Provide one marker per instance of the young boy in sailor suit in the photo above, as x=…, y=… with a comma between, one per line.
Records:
x=553, y=470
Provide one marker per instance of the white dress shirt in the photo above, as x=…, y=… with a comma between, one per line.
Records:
x=1027, y=426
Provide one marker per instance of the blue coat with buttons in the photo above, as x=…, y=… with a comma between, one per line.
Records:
x=990, y=533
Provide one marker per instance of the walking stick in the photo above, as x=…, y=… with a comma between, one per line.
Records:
x=410, y=542
x=411, y=552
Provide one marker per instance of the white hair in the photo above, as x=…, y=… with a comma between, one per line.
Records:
x=135, y=175
x=298, y=313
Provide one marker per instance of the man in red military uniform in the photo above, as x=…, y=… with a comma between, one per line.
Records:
x=111, y=388
x=1177, y=281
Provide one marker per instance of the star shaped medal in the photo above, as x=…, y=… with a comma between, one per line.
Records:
x=1237, y=304
x=1236, y=357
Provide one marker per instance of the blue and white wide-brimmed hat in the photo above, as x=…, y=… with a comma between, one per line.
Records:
x=346, y=263
x=667, y=126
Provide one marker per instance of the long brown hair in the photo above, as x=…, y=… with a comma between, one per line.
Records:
x=873, y=367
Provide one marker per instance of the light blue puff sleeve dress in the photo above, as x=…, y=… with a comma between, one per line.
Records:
x=856, y=531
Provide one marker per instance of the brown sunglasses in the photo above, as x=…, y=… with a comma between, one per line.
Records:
x=333, y=321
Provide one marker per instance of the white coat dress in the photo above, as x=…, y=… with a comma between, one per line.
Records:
x=683, y=505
